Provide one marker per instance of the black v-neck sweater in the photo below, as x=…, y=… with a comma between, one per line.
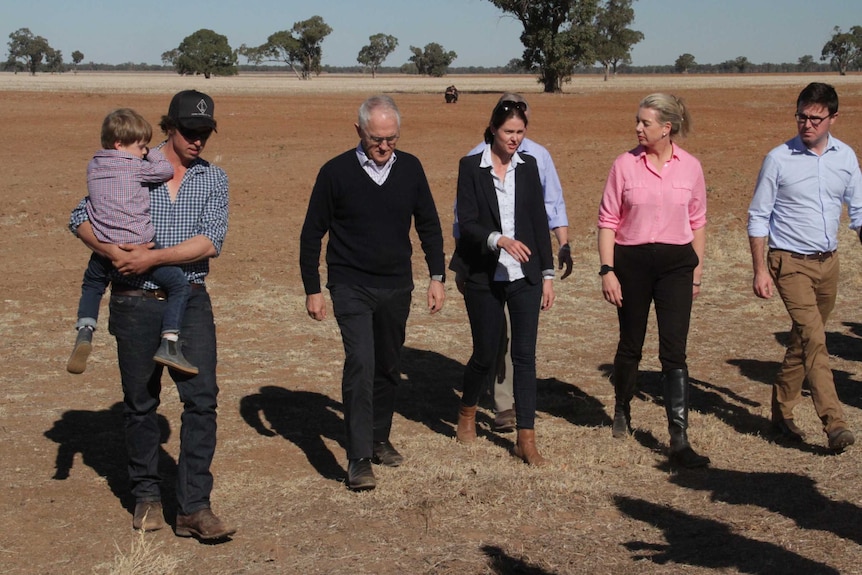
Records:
x=369, y=225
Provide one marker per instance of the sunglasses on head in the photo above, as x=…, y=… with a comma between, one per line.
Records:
x=509, y=105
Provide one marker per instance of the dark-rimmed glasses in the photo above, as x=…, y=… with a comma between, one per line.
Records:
x=801, y=119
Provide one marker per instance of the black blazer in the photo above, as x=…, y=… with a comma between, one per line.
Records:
x=479, y=216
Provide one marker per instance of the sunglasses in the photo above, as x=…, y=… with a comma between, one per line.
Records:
x=509, y=105
x=195, y=135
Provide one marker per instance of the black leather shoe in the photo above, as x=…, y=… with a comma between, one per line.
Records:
x=688, y=458
x=360, y=477
x=385, y=454
x=788, y=430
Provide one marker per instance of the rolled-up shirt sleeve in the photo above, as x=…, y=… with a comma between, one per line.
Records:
x=763, y=201
x=78, y=215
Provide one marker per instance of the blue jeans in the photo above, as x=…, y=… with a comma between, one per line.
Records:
x=135, y=322
x=97, y=275
x=373, y=323
x=485, y=305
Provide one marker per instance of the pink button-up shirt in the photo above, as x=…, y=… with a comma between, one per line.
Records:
x=644, y=206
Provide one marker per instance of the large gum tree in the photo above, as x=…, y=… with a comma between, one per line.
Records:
x=558, y=36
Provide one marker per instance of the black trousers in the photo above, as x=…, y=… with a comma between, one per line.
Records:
x=485, y=305
x=373, y=323
x=659, y=274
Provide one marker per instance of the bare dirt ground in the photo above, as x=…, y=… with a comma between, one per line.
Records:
x=603, y=506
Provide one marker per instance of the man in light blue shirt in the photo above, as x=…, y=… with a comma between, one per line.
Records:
x=558, y=222
x=795, y=213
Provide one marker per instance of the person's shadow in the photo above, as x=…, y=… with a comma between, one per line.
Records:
x=501, y=563
x=304, y=418
x=99, y=437
x=698, y=541
x=792, y=495
x=430, y=395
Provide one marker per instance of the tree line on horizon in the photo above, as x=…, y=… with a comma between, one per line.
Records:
x=561, y=38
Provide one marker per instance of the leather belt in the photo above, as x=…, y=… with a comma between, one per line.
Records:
x=157, y=294
x=816, y=256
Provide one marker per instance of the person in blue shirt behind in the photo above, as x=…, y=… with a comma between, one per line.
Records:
x=795, y=213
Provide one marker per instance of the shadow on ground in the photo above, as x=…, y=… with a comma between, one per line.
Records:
x=98, y=436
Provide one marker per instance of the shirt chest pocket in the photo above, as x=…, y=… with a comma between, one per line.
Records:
x=637, y=193
x=680, y=193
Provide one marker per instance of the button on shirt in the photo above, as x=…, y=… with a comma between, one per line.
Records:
x=508, y=268
x=799, y=195
x=645, y=206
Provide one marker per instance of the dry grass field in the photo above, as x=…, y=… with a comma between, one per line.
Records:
x=604, y=506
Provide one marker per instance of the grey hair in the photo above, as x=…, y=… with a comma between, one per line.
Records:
x=379, y=102
x=670, y=109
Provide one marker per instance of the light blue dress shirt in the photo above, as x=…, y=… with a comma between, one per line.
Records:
x=799, y=196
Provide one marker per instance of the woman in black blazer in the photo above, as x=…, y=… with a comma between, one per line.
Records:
x=505, y=248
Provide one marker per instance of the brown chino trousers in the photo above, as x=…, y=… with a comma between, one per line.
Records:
x=808, y=288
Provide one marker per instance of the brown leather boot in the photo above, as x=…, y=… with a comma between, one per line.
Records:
x=525, y=448
x=466, y=431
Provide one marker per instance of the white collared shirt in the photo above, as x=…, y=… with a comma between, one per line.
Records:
x=508, y=268
x=377, y=173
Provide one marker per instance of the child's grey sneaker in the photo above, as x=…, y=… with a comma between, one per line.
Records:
x=170, y=354
x=83, y=346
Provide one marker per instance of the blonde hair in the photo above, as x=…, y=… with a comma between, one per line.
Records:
x=125, y=126
x=670, y=109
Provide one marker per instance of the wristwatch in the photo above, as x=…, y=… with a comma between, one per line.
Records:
x=605, y=269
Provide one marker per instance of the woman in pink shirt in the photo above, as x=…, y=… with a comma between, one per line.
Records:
x=651, y=244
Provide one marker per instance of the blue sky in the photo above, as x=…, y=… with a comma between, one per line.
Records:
x=713, y=31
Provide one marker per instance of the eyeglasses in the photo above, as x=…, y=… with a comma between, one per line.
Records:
x=815, y=120
x=509, y=105
x=379, y=139
x=195, y=135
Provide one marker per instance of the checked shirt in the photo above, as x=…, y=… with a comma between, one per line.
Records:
x=201, y=208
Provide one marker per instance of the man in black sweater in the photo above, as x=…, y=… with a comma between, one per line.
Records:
x=366, y=200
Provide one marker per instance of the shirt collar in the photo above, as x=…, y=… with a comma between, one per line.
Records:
x=796, y=145
x=364, y=160
x=674, y=155
x=485, y=162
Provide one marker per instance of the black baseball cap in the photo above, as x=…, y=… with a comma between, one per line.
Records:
x=192, y=110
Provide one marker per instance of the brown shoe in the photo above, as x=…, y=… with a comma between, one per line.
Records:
x=203, y=524
x=840, y=439
x=148, y=516
x=525, y=449
x=788, y=430
x=504, y=421
x=466, y=430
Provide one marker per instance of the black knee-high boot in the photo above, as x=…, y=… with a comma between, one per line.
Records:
x=676, y=405
x=625, y=381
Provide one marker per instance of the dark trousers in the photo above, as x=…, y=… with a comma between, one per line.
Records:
x=659, y=274
x=485, y=305
x=373, y=322
x=97, y=275
x=136, y=323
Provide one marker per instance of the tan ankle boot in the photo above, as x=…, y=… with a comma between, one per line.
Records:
x=466, y=431
x=525, y=448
